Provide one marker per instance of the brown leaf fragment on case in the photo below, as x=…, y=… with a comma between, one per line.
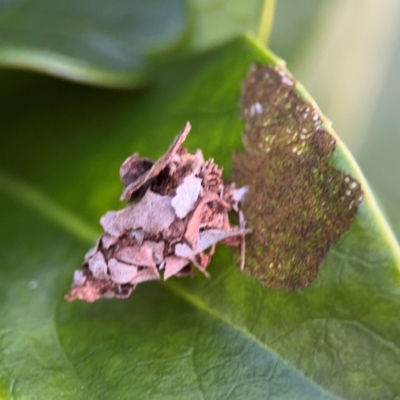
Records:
x=136, y=255
x=120, y=272
x=186, y=196
x=173, y=265
x=107, y=241
x=98, y=266
x=298, y=205
x=158, y=166
x=178, y=210
x=146, y=274
x=152, y=213
x=134, y=167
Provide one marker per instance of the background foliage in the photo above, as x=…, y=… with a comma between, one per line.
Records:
x=61, y=147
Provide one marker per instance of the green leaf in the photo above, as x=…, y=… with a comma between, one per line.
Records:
x=217, y=21
x=114, y=43
x=107, y=44
x=218, y=338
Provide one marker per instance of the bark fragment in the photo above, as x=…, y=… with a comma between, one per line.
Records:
x=178, y=209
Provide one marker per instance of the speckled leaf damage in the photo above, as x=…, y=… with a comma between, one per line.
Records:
x=298, y=205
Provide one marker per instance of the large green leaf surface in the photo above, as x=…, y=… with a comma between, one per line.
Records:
x=113, y=42
x=227, y=337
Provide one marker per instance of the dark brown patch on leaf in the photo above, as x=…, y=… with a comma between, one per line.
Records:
x=298, y=206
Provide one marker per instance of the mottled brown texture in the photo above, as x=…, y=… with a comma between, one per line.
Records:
x=157, y=167
x=133, y=167
x=298, y=206
x=178, y=210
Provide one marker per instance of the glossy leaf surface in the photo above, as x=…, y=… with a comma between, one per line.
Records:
x=114, y=43
x=226, y=337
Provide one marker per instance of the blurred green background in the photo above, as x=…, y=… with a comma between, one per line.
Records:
x=110, y=65
x=345, y=52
